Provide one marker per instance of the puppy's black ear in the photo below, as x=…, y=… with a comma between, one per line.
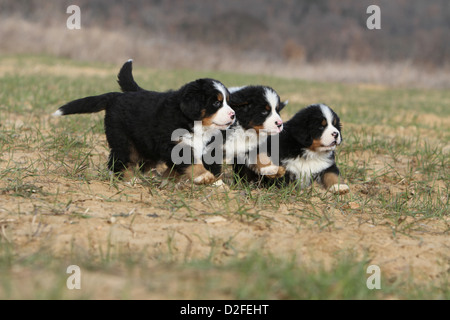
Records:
x=305, y=140
x=192, y=99
x=239, y=98
x=299, y=129
x=239, y=102
x=282, y=105
x=244, y=106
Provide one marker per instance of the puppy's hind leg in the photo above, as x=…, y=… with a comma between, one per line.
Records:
x=120, y=167
x=123, y=160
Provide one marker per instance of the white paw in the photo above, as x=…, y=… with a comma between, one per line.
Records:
x=269, y=170
x=339, y=188
x=133, y=181
x=205, y=178
x=218, y=183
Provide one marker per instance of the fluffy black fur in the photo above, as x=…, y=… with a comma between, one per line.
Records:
x=139, y=124
x=125, y=78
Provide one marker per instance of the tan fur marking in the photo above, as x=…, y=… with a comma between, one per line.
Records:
x=330, y=179
x=257, y=128
x=316, y=144
x=161, y=167
x=170, y=173
x=129, y=172
x=207, y=121
x=134, y=155
x=199, y=174
x=264, y=161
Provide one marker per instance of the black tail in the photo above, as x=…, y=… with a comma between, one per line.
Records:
x=125, y=78
x=87, y=105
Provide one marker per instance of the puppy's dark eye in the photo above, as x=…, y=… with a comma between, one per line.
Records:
x=323, y=124
x=266, y=110
x=217, y=104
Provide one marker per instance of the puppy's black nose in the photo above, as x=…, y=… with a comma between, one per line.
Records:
x=335, y=134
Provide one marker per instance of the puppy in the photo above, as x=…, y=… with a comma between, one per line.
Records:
x=140, y=126
x=306, y=149
x=257, y=116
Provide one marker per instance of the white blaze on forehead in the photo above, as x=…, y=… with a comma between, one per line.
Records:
x=221, y=88
x=222, y=116
x=271, y=98
x=271, y=123
x=326, y=113
x=327, y=136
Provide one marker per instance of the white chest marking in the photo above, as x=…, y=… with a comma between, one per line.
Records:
x=307, y=167
x=199, y=139
x=239, y=142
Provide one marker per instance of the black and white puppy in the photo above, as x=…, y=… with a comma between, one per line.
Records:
x=306, y=149
x=139, y=126
x=257, y=117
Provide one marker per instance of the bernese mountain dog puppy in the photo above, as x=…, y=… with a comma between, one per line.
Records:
x=306, y=149
x=140, y=126
x=257, y=117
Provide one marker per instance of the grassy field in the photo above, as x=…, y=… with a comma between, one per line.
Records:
x=158, y=240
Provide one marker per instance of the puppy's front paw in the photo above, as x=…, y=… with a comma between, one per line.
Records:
x=269, y=170
x=273, y=171
x=205, y=178
x=280, y=173
x=339, y=188
x=132, y=182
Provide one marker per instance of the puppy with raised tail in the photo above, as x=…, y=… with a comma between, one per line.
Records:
x=139, y=125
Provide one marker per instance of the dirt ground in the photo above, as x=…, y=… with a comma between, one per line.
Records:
x=132, y=217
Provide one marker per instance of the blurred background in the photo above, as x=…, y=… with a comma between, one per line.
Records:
x=321, y=40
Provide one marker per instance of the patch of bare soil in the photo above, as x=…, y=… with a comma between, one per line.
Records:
x=130, y=219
